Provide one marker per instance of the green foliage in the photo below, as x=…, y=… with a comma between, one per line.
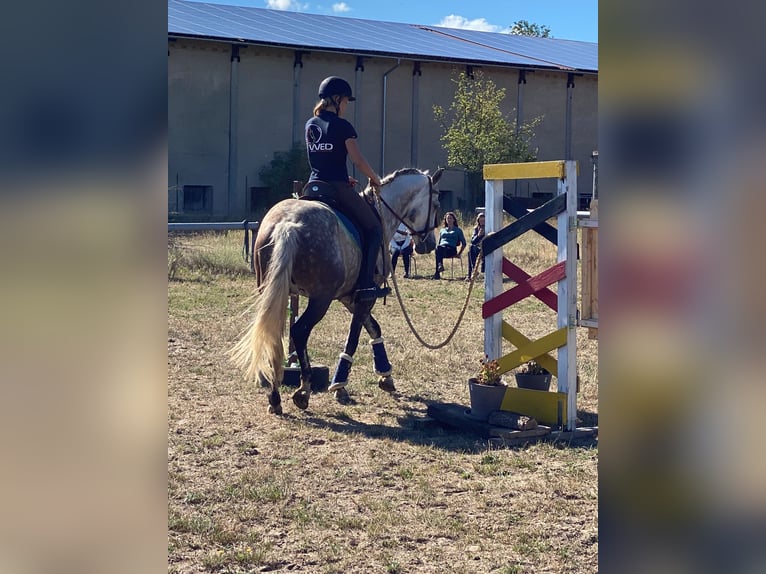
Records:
x=533, y=368
x=475, y=131
x=284, y=168
x=525, y=28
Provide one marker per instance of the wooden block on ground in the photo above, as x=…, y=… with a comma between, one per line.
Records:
x=320, y=378
x=579, y=432
x=454, y=415
x=500, y=432
x=507, y=437
x=511, y=420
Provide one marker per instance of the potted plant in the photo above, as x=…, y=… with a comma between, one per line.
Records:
x=486, y=390
x=532, y=375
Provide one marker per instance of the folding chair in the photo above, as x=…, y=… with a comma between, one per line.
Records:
x=452, y=266
x=413, y=265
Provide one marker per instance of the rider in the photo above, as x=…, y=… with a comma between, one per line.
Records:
x=329, y=140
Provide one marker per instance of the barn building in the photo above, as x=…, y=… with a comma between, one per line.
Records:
x=242, y=82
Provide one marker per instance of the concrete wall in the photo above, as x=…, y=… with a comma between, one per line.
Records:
x=268, y=97
x=265, y=115
x=198, y=119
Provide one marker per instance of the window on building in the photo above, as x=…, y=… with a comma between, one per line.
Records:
x=198, y=198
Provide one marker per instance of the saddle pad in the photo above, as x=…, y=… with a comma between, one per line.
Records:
x=349, y=225
x=330, y=202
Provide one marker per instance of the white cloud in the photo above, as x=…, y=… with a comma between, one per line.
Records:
x=286, y=5
x=341, y=7
x=480, y=24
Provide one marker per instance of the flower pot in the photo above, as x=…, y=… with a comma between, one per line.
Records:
x=534, y=382
x=484, y=399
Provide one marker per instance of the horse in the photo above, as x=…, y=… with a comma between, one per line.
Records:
x=303, y=248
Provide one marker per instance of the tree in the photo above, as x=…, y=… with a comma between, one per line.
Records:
x=475, y=131
x=524, y=28
x=278, y=176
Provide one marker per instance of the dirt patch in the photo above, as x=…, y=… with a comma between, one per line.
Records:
x=366, y=487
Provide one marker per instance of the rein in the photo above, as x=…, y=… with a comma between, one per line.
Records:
x=426, y=230
x=422, y=235
x=460, y=316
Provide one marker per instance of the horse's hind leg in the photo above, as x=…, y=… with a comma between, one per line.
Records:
x=379, y=356
x=275, y=400
x=299, y=333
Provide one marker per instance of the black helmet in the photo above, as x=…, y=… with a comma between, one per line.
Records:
x=335, y=86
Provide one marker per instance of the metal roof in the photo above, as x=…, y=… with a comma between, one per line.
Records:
x=375, y=38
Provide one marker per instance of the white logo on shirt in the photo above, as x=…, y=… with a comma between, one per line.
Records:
x=313, y=139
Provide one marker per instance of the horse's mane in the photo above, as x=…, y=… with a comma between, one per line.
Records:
x=398, y=172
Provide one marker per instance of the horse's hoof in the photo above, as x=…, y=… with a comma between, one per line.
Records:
x=275, y=410
x=301, y=399
x=341, y=395
x=387, y=384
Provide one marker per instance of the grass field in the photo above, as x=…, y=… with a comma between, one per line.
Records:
x=366, y=487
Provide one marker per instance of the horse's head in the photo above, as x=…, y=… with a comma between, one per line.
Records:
x=410, y=196
x=426, y=242
x=425, y=245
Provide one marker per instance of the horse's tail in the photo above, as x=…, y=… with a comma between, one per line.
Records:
x=260, y=350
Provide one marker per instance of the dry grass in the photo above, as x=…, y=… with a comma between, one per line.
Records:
x=363, y=488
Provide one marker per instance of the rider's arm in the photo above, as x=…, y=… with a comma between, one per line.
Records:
x=361, y=162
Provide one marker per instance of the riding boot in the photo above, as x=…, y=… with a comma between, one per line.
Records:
x=368, y=291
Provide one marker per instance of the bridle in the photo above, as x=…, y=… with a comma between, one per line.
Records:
x=420, y=234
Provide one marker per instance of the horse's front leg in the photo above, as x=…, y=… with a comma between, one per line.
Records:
x=299, y=333
x=380, y=358
x=359, y=314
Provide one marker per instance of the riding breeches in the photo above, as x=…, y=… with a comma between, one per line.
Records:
x=370, y=226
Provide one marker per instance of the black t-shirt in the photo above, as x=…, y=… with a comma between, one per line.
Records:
x=326, y=137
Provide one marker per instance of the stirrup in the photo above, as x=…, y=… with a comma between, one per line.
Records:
x=372, y=293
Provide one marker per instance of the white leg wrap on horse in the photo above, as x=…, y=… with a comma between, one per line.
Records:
x=336, y=386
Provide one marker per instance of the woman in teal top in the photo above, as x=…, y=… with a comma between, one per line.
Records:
x=450, y=239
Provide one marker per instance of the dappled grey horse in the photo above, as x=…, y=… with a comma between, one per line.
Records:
x=303, y=248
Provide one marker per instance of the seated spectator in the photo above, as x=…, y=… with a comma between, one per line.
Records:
x=477, y=236
x=401, y=244
x=451, y=239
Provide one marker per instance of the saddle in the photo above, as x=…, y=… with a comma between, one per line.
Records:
x=320, y=191
x=323, y=191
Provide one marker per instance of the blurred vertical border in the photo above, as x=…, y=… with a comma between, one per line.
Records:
x=83, y=120
x=682, y=127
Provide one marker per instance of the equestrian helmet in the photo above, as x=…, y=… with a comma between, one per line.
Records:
x=335, y=86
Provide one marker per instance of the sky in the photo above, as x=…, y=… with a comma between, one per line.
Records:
x=567, y=19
